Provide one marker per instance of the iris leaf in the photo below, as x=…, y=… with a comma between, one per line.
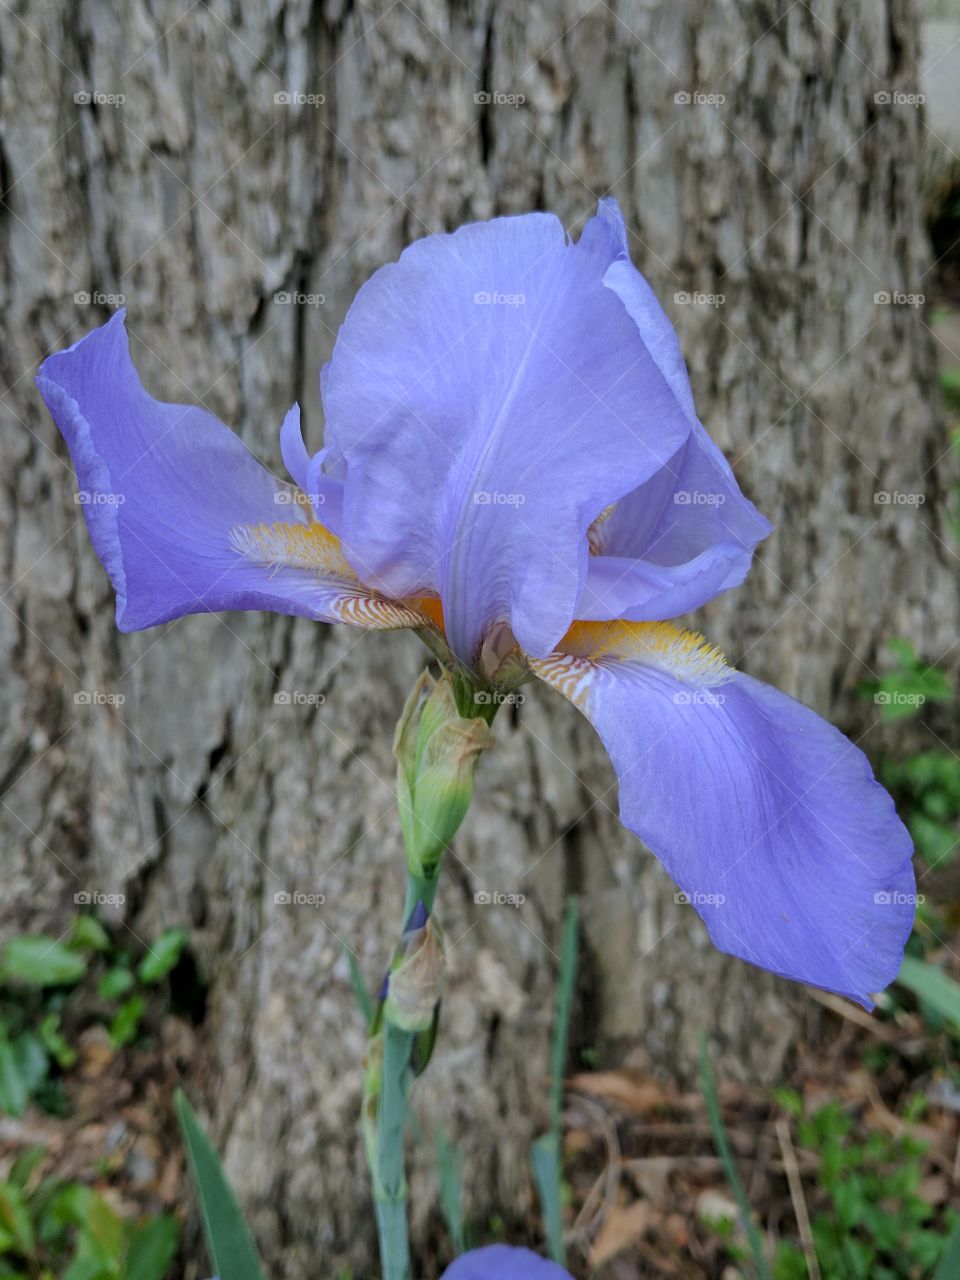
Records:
x=231, y=1246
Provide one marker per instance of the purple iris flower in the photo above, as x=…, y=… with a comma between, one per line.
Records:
x=501, y=1262
x=514, y=467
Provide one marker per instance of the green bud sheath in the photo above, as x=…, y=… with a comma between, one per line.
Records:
x=437, y=751
x=413, y=989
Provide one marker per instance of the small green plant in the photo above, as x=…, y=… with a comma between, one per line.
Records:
x=950, y=386
x=41, y=981
x=907, y=684
x=868, y=1220
x=926, y=788
x=50, y=1228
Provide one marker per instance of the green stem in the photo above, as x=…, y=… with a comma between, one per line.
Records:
x=437, y=742
x=385, y=1145
x=390, y=1178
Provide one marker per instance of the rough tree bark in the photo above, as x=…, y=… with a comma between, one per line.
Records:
x=200, y=198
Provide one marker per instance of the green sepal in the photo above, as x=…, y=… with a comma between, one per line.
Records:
x=424, y=1043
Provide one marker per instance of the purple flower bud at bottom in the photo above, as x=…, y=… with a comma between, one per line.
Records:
x=502, y=1262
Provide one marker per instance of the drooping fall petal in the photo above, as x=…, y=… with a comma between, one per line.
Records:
x=768, y=818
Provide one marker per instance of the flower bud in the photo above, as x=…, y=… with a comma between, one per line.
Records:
x=436, y=750
x=413, y=986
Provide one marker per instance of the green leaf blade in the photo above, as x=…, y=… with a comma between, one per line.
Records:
x=40, y=961
x=932, y=987
x=231, y=1246
x=162, y=955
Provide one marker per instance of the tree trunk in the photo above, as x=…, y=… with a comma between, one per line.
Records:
x=201, y=198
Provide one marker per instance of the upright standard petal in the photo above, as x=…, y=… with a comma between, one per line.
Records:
x=490, y=397
x=182, y=516
x=675, y=542
x=501, y=1262
x=767, y=817
x=292, y=448
x=688, y=532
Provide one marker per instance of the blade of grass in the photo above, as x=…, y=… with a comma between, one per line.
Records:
x=561, y=1026
x=709, y=1086
x=546, y=1152
x=450, y=1173
x=932, y=987
x=364, y=999
x=231, y=1246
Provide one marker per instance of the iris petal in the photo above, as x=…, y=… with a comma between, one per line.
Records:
x=490, y=397
x=501, y=1262
x=292, y=448
x=326, y=492
x=675, y=542
x=767, y=817
x=164, y=487
x=688, y=532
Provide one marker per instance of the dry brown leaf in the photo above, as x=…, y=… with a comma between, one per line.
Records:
x=622, y=1227
x=629, y=1089
x=934, y=1190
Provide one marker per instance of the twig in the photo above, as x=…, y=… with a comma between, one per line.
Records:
x=853, y=1013
x=794, y=1182
x=603, y=1193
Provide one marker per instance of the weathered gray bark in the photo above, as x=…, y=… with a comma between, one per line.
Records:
x=200, y=798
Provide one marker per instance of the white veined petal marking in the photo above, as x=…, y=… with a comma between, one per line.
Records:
x=589, y=646
x=568, y=674
x=597, y=534
x=313, y=549
x=376, y=612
